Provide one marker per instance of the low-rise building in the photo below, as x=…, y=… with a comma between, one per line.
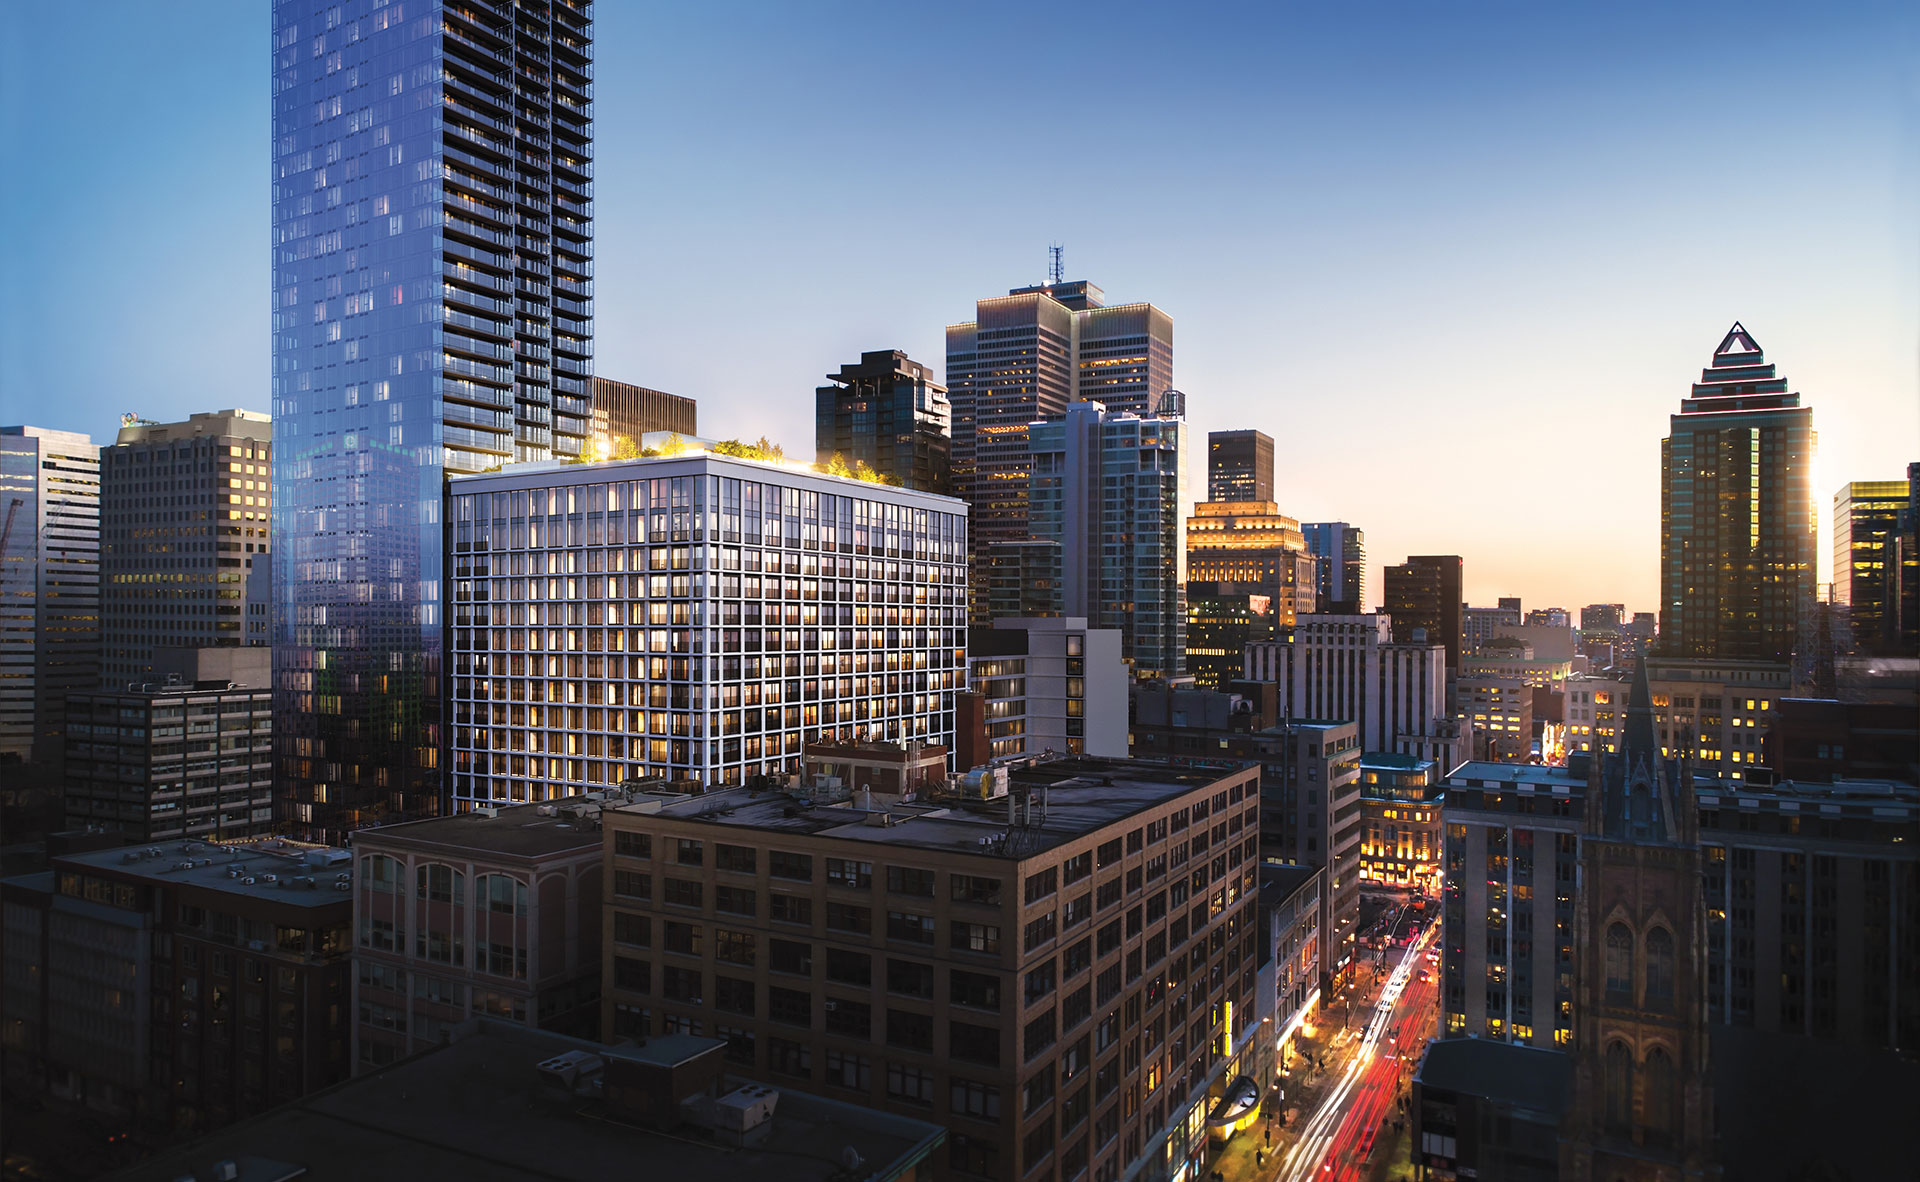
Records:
x=491, y=913
x=505, y=1103
x=1063, y=977
x=180, y=986
x=1499, y=712
x=1290, y=901
x=1400, y=811
x=1716, y=713
x=1595, y=711
x=170, y=761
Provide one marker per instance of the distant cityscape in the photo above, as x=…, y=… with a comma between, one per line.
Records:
x=475, y=765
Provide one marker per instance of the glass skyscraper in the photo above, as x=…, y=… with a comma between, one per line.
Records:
x=49, y=585
x=1736, y=512
x=432, y=292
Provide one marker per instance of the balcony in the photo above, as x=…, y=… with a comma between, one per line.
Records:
x=474, y=277
x=469, y=392
x=477, y=324
x=461, y=295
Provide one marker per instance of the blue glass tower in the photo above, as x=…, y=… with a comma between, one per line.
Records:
x=432, y=313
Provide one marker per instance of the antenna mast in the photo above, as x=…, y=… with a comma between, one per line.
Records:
x=1056, y=270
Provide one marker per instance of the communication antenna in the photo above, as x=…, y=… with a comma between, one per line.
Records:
x=1056, y=269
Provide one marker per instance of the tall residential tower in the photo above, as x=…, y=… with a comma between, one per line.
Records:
x=433, y=313
x=49, y=584
x=887, y=412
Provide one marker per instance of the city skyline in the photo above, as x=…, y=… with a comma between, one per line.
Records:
x=1555, y=221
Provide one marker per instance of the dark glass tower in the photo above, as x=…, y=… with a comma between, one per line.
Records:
x=1239, y=466
x=887, y=412
x=1737, y=513
x=1867, y=560
x=433, y=229
x=1424, y=592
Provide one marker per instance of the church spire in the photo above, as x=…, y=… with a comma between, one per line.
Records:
x=1639, y=793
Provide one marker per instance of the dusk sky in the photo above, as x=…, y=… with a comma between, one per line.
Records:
x=1460, y=260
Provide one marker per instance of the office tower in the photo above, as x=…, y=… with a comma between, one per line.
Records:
x=622, y=411
x=185, y=514
x=1499, y=710
x=1310, y=815
x=1250, y=578
x=1023, y=358
x=1239, y=466
x=1341, y=552
x=1349, y=667
x=528, y=877
x=49, y=584
x=888, y=413
x=1550, y=617
x=1867, y=558
x=130, y=773
x=1903, y=599
x=696, y=617
x=1736, y=510
x=248, y=945
x=1603, y=617
x=1107, y=489
x=1510, y=603
x=1424, y=593
x=1050, y=685
x=1400, y=813
x=433, y=314
x=974, y=964
x=1478, y=625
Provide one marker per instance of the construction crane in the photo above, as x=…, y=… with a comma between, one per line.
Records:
x=6, y=531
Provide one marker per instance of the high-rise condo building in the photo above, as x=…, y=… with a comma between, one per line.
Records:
x=185, y=510
x=1023, y=358
x=1341, y=552
x=1249, y=579
x=697, y=617
x=432, y=314
x=1012, y=969
x=1239, y=466
x=1424, y=593
x=49, y=584
x=887, y=412
x=1867, y=560
x=1107, y=489
x=622, y=411
x=1049, y=684
x=1736, y=511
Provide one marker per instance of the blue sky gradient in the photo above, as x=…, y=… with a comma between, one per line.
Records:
x=1460, y=260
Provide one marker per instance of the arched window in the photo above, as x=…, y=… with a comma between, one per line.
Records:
x=1659, y=969
x=1619, y=965
x=1657, y=1108
x=1619, y=1086
x=379, y=873
x=440, y=883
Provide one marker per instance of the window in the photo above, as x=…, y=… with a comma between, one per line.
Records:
x=791, y=1006
x=503, y=895
x=973, y=1044
x=790, y=909
x=842, y=872
x=689, y=852
x=682, y=985
x=1109, y=853
x=633, y=884
x=1035, y=1093
x=912, y=1084
x=681, y=892
x=914, y=929
x=1619, y=1086
x=978, y=990
x=1619, y=965
x=910, y=978
x=1076, y=868
x=981, y=1101
x=1039, y=1035
x=733, y=995
x=683, y=938
x=734, y=900
x=1078, y=911
x=740, y=1042
x=1078, y=959
x=849, y=968
x=1073, y=1111
x=974, y=937
x=632, y=929
x=439, y=884
x=733, y=947
x=789, y=1058
x=910, y=1030
x=973, y=1156
x=1659, y=969
x=1077, y=1007
x=1041, y=929
x=798, y=867
x=850, y=1017
x=738, y=858
x=1041, y=981
x=1657, y=1107
x=1109, y=938
x=1037, y=1144
x=788, y=956
x=972, y=888
x=1108, y=895
x=1042, y=884
x=845, y=917
x=907, y=880
x=633, y=845
x=846, y=1070
x=380, y=874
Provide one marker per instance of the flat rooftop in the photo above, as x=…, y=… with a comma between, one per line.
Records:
x=1476, y=773
x=476, y=1109
x=304, y=875
x=1080, y=796
x=521, y=830
x=1504, y=1072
